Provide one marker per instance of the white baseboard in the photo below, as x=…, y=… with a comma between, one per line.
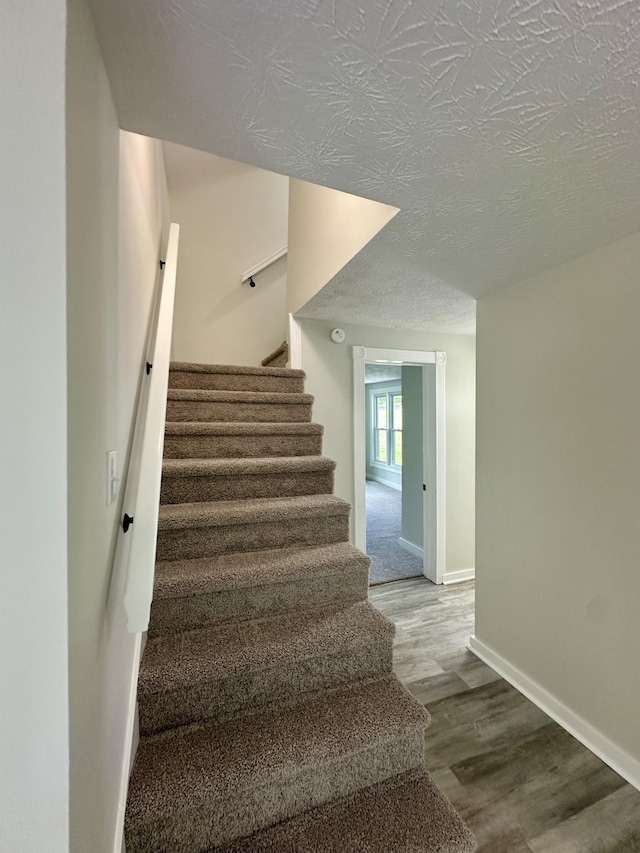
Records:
x=411, y=548
x=459, y=576
x=624, y=764
x=377, y=479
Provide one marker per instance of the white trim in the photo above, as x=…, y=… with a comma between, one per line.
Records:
x=390, y=468
x=295, y=343
x=434, y=568
x=271, y=259
x=441, y=478
x=387, y=389
x=459, y=576
x=142, y=488
x=134, y=560
x=377, y=478
x=411, y=548
x=617, y=758
x=359, y=515
x=434, y=469
x=398, y=356
x=128, y=756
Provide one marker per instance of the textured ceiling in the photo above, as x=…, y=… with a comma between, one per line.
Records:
x=382, y=372
x=507, y=131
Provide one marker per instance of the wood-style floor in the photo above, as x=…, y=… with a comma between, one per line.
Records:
x=521, y=782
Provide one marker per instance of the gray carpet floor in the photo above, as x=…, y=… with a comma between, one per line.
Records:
x=389, y=561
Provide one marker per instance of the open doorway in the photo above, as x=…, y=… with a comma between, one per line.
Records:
x=394, y=464
x=399, y=462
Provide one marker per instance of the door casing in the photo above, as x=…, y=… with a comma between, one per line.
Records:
x=434, y=472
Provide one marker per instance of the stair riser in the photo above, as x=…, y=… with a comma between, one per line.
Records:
x=275, y=799
x=240, y=446
x=194, y=410
x=174, y=615
x=176, y=490
x=233, y=382
x=190, y=543
x=246, y=690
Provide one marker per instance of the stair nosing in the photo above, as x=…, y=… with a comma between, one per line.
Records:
x=221, y=513
x=205, y=395
x=245, y=466
x=248, y=428
x=235, y=370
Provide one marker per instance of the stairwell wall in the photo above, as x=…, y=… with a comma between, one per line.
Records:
x=34, y=763
x=558, y=580
x=232, y=216
x=327, y=228
x=329, y=369
x=116, y=224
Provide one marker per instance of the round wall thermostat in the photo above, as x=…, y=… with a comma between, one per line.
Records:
x=337, y=336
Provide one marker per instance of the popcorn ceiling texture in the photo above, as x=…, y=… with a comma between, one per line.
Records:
x=507, y=131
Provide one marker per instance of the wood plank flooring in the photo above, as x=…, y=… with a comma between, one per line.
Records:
x=521, y=782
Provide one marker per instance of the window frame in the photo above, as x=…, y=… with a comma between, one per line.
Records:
x=390, y=430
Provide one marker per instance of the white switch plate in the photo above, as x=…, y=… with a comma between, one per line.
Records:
x=112, y=476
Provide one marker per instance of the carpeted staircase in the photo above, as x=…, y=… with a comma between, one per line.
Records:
x=270, y=721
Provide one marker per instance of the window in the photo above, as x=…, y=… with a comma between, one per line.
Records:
x=387, y=427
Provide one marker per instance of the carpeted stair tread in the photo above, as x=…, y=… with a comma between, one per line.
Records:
x=191, y=594
x=235, y=369
x=191, y=480
x=237, y=467
x=227, y=376
x=183, y=578
x=205, y=395
x=406, y=814
x=237, y=439
x=224, y=669
x=204, y=785
x=219, y=513
x=198, y=404
x=204, y=528
x=240, y=428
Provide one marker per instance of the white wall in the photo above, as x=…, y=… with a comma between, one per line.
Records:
x=558, y=579
x=117, y=209
x=231, y=218
x=413, y=446
x=33, y=421
x=329, y=370
x=327, y=228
